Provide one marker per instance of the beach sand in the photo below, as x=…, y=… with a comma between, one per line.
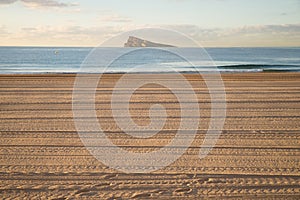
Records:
x=256, y=156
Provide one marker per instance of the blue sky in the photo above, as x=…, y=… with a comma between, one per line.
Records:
x=89, y=22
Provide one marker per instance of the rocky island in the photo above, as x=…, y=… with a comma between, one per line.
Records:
x=137, y=42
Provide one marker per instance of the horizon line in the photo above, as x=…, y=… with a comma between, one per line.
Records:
x=49, y=46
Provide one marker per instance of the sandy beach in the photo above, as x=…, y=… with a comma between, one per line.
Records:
x=256, y=156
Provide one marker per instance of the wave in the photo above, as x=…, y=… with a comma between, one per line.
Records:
x=153, y=68
x=262, y=67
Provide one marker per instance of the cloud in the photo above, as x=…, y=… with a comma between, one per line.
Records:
x=115, y=18
x=195, y=32
x=257, y=35
x=4, y=2
x=3, y=31
x=61, y=35
x=266, y=29
x=72, y=35
x=38, y=3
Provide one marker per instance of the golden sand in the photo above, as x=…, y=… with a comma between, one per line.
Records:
x=257, y=154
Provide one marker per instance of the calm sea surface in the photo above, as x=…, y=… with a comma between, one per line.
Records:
x=27, y=60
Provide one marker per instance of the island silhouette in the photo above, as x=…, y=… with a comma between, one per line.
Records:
x=138, y=42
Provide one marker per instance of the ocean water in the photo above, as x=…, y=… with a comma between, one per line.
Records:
x=30, y=60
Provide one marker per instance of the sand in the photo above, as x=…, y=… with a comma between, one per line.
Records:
x=256, y=156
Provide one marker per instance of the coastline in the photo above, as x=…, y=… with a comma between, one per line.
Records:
x=257, y=154
x=150, y=73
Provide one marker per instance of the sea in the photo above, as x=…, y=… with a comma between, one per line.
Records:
x=32, y=60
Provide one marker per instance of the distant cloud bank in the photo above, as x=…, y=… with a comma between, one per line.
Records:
x=260, y=35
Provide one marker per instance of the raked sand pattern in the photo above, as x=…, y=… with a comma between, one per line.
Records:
x=256, y=156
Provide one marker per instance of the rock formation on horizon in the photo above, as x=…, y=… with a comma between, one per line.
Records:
x=137, y=42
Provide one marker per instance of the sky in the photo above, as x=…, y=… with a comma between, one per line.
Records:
x=212, y=23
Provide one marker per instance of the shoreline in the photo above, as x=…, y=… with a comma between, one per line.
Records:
x=151, y=73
